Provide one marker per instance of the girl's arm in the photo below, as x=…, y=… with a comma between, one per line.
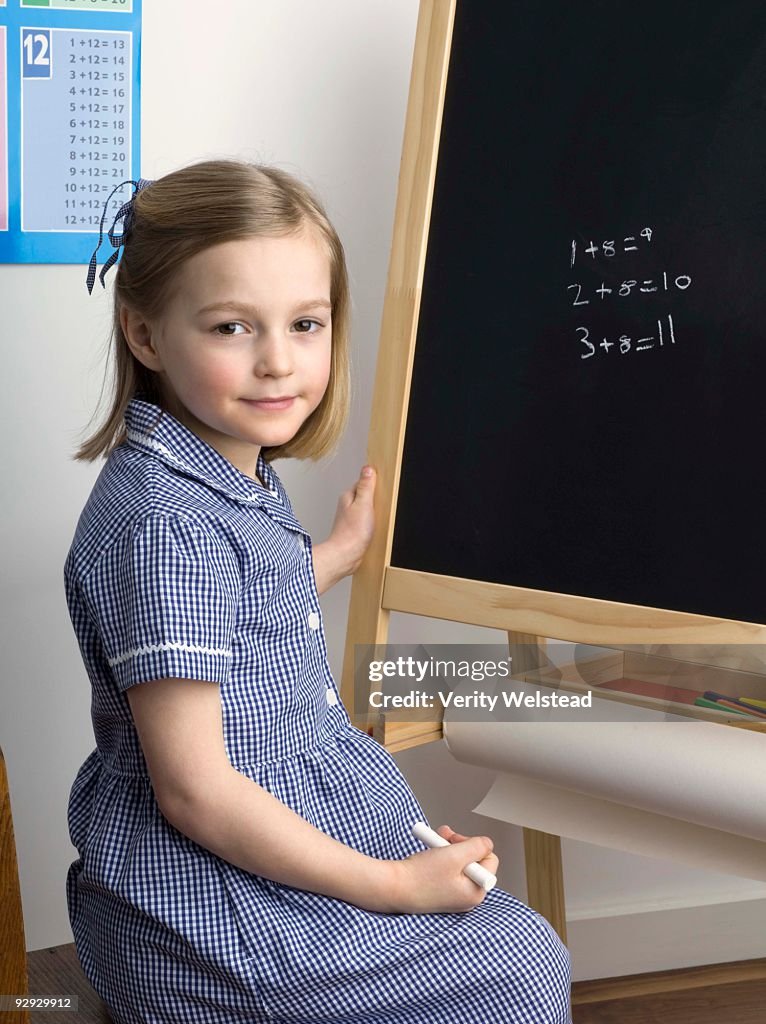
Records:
x=179, y=724
x=341, y=554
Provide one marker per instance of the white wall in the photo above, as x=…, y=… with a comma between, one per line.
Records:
x=319, y=89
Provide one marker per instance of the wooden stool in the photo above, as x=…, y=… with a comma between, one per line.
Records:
x=54, y=971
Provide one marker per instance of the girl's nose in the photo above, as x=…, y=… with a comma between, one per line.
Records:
x=273, y=357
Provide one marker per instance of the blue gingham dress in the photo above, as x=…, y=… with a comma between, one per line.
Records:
x=182, y=566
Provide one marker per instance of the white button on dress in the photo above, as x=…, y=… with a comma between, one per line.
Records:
x=313, y=620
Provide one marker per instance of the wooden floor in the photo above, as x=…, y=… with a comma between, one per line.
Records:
x=720, y=994
x=57, y=971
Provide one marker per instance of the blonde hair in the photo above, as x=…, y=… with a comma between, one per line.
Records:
x=180, y=215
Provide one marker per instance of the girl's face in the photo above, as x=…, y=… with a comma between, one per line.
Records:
x=243, y=346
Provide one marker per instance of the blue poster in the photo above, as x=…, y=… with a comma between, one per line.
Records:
x=69, y=123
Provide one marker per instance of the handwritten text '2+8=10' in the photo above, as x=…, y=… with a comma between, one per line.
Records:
x=681, y=282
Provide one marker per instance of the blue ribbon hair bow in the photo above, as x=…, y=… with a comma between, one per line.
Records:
x=123, y=214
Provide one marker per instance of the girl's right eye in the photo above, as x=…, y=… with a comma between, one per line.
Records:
x=223, y=328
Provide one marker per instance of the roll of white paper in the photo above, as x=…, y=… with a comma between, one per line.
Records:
x=690, y=790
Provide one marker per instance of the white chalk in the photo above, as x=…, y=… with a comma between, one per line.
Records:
x=474, y=871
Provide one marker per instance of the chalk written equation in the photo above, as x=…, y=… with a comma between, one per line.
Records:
x=627, y=292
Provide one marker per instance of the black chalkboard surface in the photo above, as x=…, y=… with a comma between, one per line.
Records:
x=587, y=409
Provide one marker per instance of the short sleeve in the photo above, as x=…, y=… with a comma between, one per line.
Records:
x=164, y=600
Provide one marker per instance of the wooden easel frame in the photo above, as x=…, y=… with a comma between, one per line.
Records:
x=378, y=587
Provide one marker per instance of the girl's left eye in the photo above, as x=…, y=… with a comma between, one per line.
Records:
x=223, y=328
x=305, y=326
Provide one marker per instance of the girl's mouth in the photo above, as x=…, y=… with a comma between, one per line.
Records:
x=271, y=403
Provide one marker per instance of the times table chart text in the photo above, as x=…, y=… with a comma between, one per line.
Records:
x=71, y=129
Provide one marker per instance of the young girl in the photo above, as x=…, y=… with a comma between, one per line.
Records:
x=245, y=852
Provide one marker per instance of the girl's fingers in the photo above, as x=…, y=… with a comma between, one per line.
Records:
x=449, y=833
x=364, y=488
x=491, y=862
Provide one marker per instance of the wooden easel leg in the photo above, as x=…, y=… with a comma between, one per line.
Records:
x=542, y=851
x=545, y=878
x=13, y=955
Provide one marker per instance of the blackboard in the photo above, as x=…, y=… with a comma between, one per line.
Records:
x=569, y=431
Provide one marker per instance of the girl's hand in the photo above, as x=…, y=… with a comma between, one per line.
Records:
x=354, y=522
x=352, y=529
x=432, y=882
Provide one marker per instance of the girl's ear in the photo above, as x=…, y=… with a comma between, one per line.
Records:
x=138, y=335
